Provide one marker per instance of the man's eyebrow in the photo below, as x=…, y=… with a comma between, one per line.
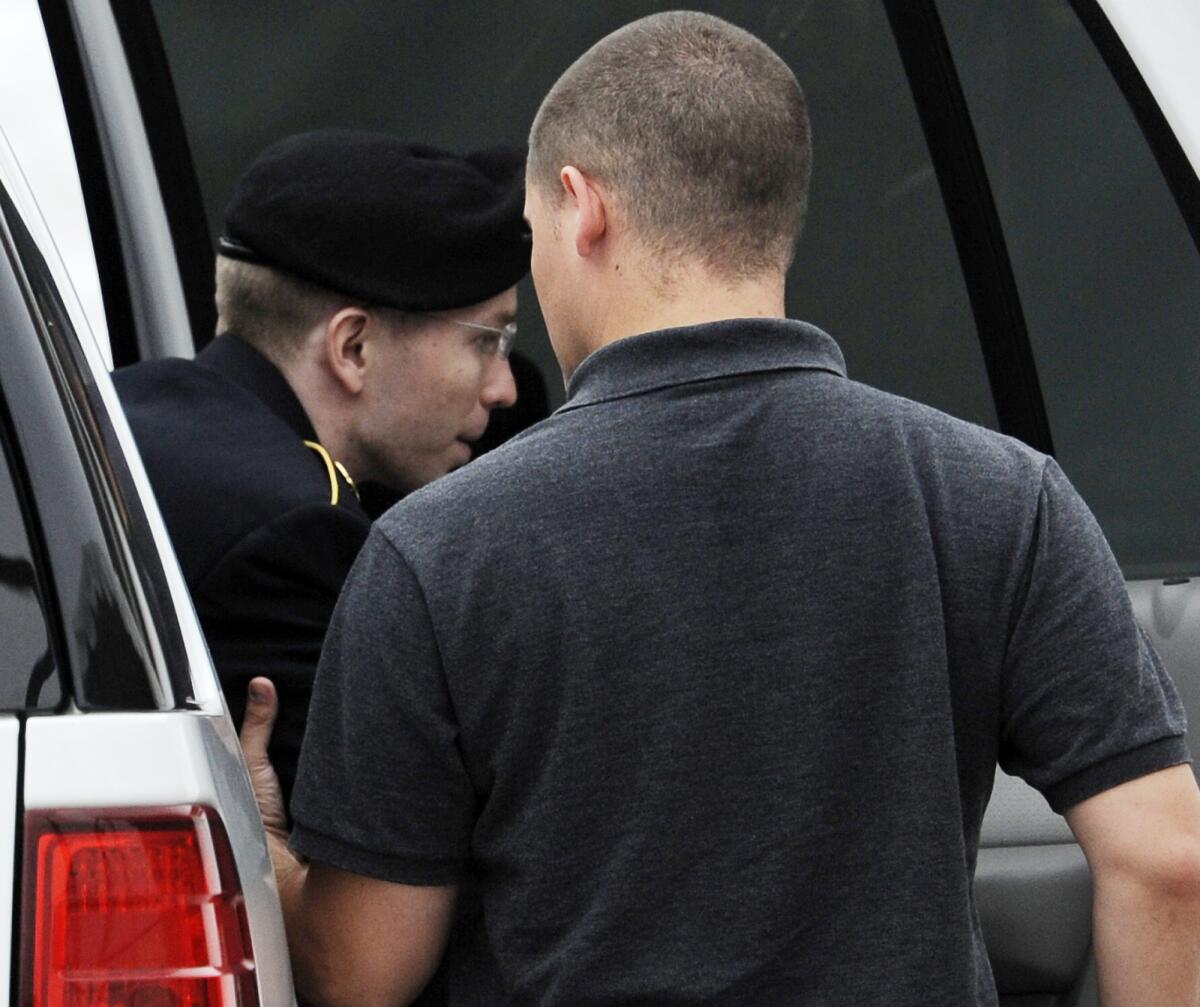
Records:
x=501, y=317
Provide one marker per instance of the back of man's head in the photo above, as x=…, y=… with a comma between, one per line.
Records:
x=272, y=310
x=698, y=130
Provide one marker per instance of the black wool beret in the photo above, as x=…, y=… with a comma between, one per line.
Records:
x=384, y=220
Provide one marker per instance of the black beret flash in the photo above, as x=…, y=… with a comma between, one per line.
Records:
x=387, y=221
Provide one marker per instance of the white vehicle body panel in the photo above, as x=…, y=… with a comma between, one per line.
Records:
x=1163, y=39
x=10, y=739
x=33, y=123
x=78, y=760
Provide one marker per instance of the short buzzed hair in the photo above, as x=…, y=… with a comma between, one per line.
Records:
x=700, y=132
x=270, y=309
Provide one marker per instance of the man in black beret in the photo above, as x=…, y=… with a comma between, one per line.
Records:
x=366, y=294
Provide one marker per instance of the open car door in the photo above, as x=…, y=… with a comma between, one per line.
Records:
x=133, y=864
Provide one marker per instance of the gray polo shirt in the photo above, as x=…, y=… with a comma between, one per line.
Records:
x=700, y=685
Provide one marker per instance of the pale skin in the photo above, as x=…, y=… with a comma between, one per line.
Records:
x=335, y=919
x=1142, y=842
x=398, y=403
x=596, y=284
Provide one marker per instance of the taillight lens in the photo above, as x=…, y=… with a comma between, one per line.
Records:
x=134, y=910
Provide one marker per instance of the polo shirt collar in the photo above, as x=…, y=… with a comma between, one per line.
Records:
x=670, y=357
x=235, y=359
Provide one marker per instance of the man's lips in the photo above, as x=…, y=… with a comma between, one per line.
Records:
x=471, y=438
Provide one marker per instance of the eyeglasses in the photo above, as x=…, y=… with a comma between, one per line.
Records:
x=505, y=336
x=502, y=343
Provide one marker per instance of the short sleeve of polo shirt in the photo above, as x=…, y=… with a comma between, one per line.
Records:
x=381, y=789
x=1086, y=702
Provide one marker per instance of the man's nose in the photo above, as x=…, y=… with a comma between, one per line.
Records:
x=500, y=387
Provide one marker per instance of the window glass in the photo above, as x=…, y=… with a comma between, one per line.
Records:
x=1108, y=274
x=121, y=642
x=28, y=678
x=876, y=267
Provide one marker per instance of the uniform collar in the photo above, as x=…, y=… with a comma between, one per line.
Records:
x=235, y=359
x=669, y=357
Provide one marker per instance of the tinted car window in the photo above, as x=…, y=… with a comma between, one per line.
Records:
x=876, y=266
x=121, y=644
x=28, y=678
x=1108, y=274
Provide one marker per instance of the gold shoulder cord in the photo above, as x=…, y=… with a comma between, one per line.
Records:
x=346, y=475
x=333, y=469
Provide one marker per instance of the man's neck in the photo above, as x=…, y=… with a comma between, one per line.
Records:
x=321, y=402
x=693, y=299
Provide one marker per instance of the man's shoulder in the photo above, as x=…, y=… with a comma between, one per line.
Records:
x=492, y=491
x=859, y=438
x=198, y=423
x=221, y=462
x=158, y=384
x=164, y=398
x=535, y=454
x=929, y=439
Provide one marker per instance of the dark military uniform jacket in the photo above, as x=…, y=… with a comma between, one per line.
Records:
x=265, y=525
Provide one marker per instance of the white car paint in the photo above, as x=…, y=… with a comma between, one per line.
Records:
x=34, y=133
x=114, y=760
x=1163, y=39
x=10, y=733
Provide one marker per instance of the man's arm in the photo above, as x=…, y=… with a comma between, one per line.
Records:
x=1142, y=842
x=265, y=608
x=353, y=940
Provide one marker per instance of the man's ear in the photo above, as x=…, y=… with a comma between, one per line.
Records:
x=591, y=213
x=345, y=347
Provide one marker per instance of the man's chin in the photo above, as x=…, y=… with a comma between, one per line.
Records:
x=459, y=454
x=454, y=457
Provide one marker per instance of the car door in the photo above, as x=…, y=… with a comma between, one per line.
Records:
x=1003, y=224
x=133, y=865
x=138, y=863
x=28, y=676
x=1097, y=201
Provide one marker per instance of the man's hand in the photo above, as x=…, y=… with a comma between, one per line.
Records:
x=353, y=940
x=262, y=706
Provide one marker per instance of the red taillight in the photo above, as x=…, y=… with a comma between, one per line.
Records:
x=134, y=910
